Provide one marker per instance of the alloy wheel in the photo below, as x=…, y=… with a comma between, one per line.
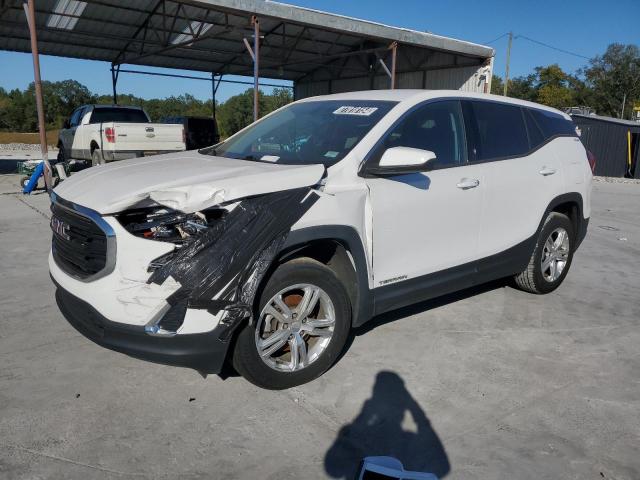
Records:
x=295, y=327
x=555, y=254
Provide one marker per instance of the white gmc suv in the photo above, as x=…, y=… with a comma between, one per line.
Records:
x=266, y=249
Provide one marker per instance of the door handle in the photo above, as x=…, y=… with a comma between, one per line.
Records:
x=547, y=171
x=467, y=183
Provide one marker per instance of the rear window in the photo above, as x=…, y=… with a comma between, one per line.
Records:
x=500, y=131
x=536, y=137
x=553, y=125
x=120, y=115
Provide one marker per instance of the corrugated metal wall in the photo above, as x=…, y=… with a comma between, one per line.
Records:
x=608, y=142
x=467, y=79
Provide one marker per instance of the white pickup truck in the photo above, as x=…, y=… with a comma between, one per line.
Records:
x=104, y=133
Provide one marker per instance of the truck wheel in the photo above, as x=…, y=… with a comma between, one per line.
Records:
x=300, y=329
x=551, y=258
x=96, y=157
x=62, y=157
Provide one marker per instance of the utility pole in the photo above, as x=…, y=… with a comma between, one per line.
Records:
x=506, y=74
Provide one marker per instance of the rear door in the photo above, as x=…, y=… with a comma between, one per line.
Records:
x=426, y=222
x=521, y=173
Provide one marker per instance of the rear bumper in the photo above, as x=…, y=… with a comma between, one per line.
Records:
x=110, y=156
x=204, y=352
x=582, y=231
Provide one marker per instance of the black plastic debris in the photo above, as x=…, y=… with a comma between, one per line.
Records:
x=230, y=258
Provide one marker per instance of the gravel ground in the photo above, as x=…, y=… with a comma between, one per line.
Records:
x=20, y=146
x=490, y=383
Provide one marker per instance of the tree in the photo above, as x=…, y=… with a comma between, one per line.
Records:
x=523, y=88
x=279, y=98
x=552, y=87
x=497, y=85
x=614, y=79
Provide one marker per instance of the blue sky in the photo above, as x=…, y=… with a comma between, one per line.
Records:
x=585, y=27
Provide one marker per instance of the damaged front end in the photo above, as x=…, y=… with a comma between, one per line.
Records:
x=222, y=254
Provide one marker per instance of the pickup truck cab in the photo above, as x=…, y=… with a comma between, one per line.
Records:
x=266, y=249
x=104, y=133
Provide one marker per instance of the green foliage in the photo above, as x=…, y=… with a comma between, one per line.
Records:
x=237, y=112
x=609, y=81
x=614, y=79
x=18, y=108
x=497, y=85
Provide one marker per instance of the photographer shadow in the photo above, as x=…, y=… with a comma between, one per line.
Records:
x=382, y=428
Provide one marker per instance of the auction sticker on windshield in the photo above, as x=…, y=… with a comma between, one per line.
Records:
x=349, y=110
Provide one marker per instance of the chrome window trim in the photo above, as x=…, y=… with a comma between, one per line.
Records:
x=109, y=232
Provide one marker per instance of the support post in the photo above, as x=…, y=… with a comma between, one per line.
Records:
x=256, y=64
x=506, y=74
x=115, y=72
x=394, y=51
x=213, y=96
x=29, y=10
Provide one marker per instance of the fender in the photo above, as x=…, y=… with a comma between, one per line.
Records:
x=349, y=238
x=581, y=222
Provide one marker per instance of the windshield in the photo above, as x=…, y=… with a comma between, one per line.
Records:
x=306, y=133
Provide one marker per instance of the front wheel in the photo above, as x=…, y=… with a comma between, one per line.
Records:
x=551, y=259
x=302, y=326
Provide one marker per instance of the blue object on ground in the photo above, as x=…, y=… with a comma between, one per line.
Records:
x=389, y=467
x=33, y=181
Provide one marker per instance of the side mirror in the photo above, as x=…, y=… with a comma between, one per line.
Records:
x=66, y=124
x=401, y=160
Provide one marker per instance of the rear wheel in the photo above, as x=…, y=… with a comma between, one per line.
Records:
x=551, y=259
x=96, y=157
x=300, y=330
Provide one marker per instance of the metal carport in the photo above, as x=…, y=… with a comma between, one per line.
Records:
x=319, y=52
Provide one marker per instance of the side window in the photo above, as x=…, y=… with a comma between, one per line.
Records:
x=73, y=121
x=436, y=126
x=500, y=131
x=81, y=113
x=553, y=124
x=536, y=137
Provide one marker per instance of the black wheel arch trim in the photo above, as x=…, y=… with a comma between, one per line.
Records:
x=349, y=238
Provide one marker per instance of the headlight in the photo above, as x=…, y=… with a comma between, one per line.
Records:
x=168, y=225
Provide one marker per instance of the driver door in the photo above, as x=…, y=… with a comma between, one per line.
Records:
x=430, y=221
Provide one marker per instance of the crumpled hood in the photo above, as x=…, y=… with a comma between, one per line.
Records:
x=185, y=181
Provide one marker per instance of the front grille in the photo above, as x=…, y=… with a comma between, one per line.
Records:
x=79, y=246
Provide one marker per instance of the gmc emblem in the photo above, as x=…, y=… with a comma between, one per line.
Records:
x=60, y=227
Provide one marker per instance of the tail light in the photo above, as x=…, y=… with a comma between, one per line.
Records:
x=592, y=161
x=110, y=134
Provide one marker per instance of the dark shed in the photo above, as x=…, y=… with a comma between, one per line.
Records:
x=608, y=139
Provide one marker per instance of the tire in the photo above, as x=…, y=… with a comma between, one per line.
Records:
x=96, y=157
x=541, y=278
x=24, y=181
x=62, y=156
x=277, y=370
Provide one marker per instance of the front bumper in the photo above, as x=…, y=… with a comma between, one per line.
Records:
x=204, y=352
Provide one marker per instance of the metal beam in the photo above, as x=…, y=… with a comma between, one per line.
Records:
x=29, y=11
x=256, y=64
x=208, y=79
x=115, y=72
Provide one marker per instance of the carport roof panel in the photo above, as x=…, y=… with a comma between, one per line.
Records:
x=207, y=35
